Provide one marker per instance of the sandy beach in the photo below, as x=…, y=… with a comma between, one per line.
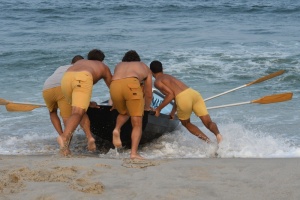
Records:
x=90, y=177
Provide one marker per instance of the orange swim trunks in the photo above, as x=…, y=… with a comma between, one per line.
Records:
x=54, y=99
x=127, y=96
x=189, y=101
x=77, y=87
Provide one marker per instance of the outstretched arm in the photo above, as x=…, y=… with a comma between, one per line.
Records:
x=172, y=114
x=169, y=96
x=107, y=78
x=148, y=91
x=56, y=121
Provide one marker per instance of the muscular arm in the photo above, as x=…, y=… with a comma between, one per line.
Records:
x=148, y=91
x=107, y=78
x=169, y=95
x=172, y=114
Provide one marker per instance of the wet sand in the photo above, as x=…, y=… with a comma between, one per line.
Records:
x=51, y=177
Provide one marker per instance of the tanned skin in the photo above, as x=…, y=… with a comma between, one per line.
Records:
x=171, y=87
x=99, y=71
x=142, y=72
x=85, y=123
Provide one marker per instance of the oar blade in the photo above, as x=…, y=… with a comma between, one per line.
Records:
x=266, y=77
x=275, y=98
x=4, y=101
x=11, y=107
x=251, y=83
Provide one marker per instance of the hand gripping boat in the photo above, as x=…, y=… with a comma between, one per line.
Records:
x=103, y=122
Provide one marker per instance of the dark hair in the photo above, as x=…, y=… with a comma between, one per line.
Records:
x=156, y=66
x=96, y=54
x=76, y=58
x=131, y=56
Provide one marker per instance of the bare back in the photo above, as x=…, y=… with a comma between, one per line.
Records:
x=166, y=83
x=138, y=70
x=131, y=69
x=96, y=68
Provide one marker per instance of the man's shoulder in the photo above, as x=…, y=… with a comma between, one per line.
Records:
x=96, y=64
x=143, y=64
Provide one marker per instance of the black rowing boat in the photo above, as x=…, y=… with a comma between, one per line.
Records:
x=103, y=121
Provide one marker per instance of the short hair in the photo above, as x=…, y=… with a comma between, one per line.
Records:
x=76, y=58
x=96, y=54
x=156, y=66
x=131, y=56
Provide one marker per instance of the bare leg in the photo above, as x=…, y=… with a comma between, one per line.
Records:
x=210, y=125
x=72, y=123
x=121, y=120
x=65, y=121
x=136, y=135
x=56, y=121
x=85, y=124
x=194, y=130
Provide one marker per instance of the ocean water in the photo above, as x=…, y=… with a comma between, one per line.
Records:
x=213, y=46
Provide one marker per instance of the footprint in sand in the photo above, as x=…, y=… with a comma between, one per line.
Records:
x=13, y=181
x=10, y=182
x=138, y=163
x=83, y=185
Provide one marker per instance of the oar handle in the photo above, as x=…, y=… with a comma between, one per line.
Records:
x=225, y=92
x=229, y=105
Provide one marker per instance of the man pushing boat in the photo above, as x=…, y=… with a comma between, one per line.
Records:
x=55, y=100
x=130, y=98
x=187, y=101
x=77, y=85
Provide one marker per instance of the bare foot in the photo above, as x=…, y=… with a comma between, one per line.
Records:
x=116, y=139
x=63, y=146
x=136, y=156
x=204, y=137
x=208, y=141
x=219, y=138
x=91, y=145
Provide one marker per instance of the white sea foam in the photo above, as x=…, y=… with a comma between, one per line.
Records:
x=239, y=142
x=210, y=50
x=30, y=143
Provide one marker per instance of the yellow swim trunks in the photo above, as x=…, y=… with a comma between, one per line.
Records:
x=77, y=87
x=54, y=99
x=127, y=96
x=189, y=101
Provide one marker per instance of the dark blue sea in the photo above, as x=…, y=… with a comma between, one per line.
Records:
x=213, y=46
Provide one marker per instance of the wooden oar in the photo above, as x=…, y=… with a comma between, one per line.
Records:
x=264, y=78
x=12, y=107
x=19, y=106
x=4, y=102
x=275, y=98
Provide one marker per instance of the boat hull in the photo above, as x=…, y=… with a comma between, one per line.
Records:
x=103, y=122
